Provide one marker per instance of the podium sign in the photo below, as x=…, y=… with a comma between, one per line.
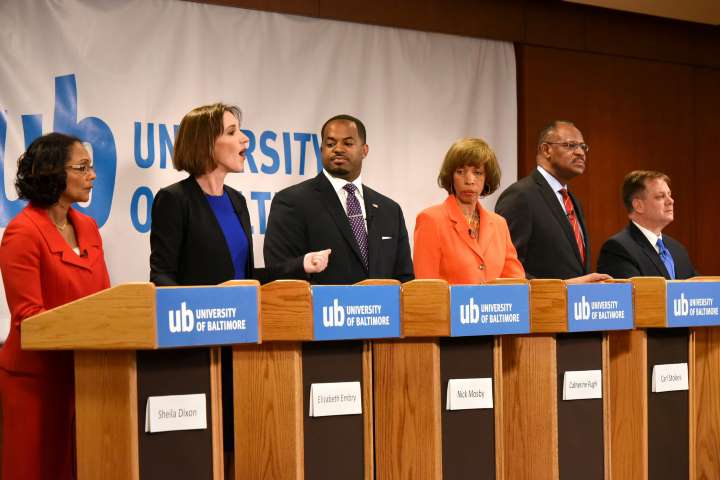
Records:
x=489, y=310
x=348, y=312
x=693, y=304
x=206, y=315
x=603, y=306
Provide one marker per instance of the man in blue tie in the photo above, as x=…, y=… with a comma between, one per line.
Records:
x=641, y=249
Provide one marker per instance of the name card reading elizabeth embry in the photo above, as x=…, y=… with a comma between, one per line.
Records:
x=489, y=310
x=693, y=304
x=345, y=312
x=206, y=315
x=602, y=306
x=338, y=398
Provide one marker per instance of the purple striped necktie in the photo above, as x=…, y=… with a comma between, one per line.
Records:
x=357, y=223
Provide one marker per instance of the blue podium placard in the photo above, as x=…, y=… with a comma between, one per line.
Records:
x=206, y=315
x=599, y=306
x=489, y=310
x=347, y=312
x=692, y=304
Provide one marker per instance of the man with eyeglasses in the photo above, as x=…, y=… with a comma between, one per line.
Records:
x=641, y=249
x=545, y=219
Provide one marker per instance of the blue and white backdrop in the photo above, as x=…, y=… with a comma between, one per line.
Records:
x=121, y=74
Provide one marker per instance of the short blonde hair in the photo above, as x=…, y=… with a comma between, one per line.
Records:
x=194, y=149
x=474, y=152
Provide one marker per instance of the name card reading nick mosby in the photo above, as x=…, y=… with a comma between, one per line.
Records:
x=469, y=394
x=670, y=377
x=346, y=312
x=206, y=315
x=693, y=304
x=582, y=384
x=339, y=398
x=489, y=310
x=171, y=413
x=600, y=306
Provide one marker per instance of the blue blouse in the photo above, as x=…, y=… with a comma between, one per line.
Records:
x=235, y=237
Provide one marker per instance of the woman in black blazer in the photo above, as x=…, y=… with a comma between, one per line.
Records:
x=201, y=227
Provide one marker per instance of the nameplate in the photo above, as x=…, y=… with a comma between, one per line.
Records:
x=346, y=312
x=670, y=377
x=339, y=398
x=582, y=384
x=489, y=310
x=171, y=413
x=469, y=394
x=206, y=315
x=693, y=304
x=602, y=306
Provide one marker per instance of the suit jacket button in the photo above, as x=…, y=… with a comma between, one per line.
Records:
x=481, y=267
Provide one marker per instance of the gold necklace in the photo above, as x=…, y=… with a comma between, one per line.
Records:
x=59, y=227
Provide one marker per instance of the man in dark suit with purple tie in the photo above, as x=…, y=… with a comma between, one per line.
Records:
x=641, y=249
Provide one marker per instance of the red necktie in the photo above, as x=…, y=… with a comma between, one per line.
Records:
x=572, y=218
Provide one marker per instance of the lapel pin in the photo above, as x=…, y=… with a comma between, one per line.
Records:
x=375, y=205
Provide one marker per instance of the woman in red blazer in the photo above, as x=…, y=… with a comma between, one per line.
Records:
x=50, y=254
x=458, y=240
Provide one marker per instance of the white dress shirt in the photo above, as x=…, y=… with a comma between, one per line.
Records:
x=339, y=183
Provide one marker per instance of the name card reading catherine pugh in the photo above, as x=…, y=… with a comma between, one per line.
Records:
x=602, y=306
x=206, y=315
x=693, y=304
x=347, y=312
x=489, y=310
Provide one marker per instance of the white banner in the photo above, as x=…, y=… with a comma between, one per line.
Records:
x=121, y=75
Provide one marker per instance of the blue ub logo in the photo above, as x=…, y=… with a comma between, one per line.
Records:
x=90, y=130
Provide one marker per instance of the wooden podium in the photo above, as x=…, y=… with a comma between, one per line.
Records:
x=673, y=434
x=274, y=435
x=118, y=365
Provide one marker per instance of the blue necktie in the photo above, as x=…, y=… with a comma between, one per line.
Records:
x=666, y=258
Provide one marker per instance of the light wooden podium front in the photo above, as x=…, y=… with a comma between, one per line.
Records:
x=274, y=435
x=117, y=366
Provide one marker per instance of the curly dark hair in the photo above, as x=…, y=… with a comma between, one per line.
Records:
x=41, y=176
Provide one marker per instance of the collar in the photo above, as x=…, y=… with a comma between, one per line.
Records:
x=652, y=238
x=339, y=183
x=461, y=226
x=552, y=181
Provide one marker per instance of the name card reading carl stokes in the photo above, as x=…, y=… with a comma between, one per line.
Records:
x=489, y=310
x=206, y=315
x=348, y=312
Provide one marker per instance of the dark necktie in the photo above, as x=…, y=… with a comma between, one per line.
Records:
x=357, y=223
x=572, y=218
x=666, y=258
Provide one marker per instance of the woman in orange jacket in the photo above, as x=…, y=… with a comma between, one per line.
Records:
x=51, y=254
x=458, y=240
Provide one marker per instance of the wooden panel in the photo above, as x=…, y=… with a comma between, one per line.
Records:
x=216, y=409
x=425, y=308
x=626, y=414
x=706, y=175
x=268, y=411
x=529, y=403
x=407, y=409
x=548, y=306
x=705, y=403
x=649, y=302
x=499, y=408
x=286, y=310
x=106, y=415
x=368, y=412
x=121, y=317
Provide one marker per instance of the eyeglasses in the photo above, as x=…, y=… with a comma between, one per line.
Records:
x=83, y=169
x=571, y=145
